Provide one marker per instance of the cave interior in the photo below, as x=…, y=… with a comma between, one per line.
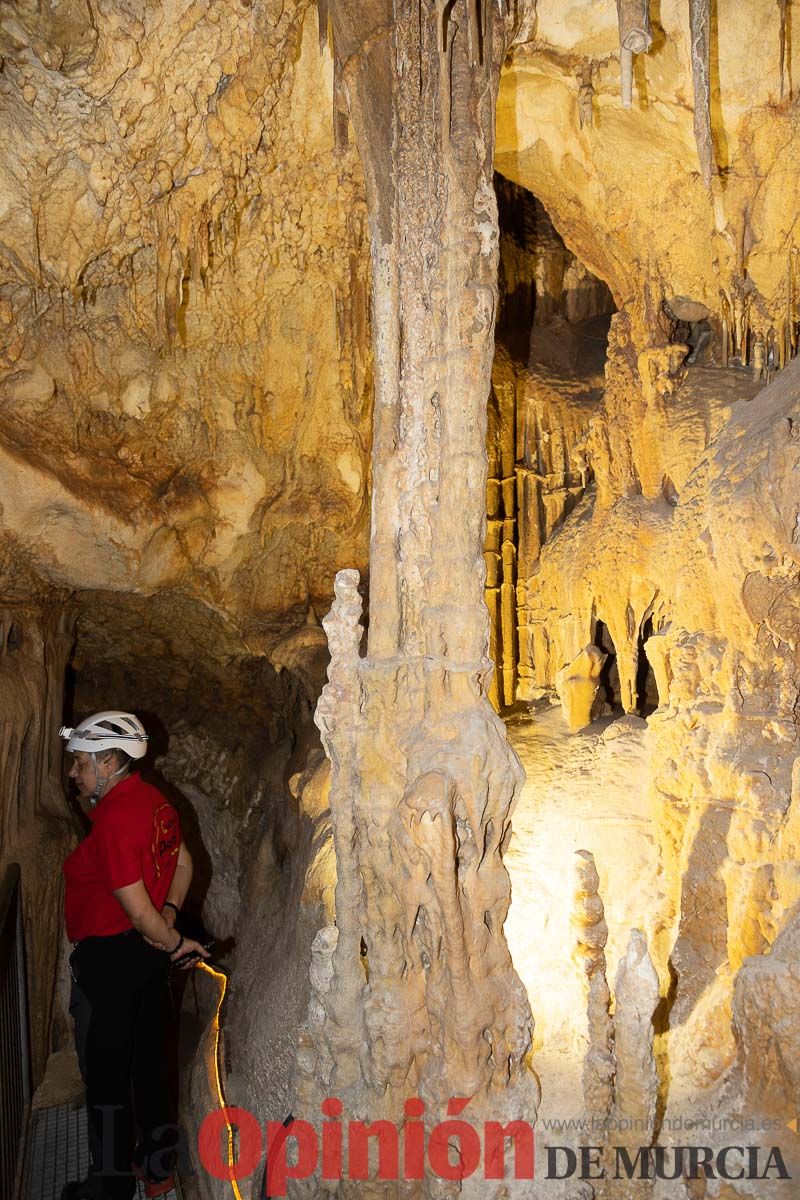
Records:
x=399, y=413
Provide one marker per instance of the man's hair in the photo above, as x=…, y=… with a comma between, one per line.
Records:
x=122, y=759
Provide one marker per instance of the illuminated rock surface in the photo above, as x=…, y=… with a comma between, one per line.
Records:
x=191, y=386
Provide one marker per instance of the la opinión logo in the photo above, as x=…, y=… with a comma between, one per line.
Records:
x=454, y=1149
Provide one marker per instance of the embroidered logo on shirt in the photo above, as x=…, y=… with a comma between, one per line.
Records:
x=165, y=836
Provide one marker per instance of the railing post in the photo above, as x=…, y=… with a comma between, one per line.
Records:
x=22, y=994
x=15, y=1065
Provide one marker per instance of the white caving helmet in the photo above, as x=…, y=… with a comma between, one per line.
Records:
x=107, y=731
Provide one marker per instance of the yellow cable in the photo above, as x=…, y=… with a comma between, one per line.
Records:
x=220, y=1094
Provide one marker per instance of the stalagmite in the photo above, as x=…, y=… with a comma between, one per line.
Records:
x=592, y=935
x=636, y=995
x=635, y=37
x=578, y=685
x=700, y=26
x=423, y=781
x=322, y=17
x=759, y=357
x=193, y=482
x=508, y=618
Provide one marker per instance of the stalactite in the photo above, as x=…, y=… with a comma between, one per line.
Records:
x=508, y=620
x=444, y=8
x=737, y=309
x=341, y=119
x=726, y=329
x=791, y=327
x=700, y=26
x=322, y=15
x=474, y=30
x=626, y=68
x=783, y=6
x=635, y=37
x=585, y=73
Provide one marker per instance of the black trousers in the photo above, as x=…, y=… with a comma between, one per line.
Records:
x=124, y=982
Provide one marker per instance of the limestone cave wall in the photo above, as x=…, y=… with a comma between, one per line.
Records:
x=680, y=553
x=185, y=362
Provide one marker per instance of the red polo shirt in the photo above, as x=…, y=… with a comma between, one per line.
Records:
x=135, y=835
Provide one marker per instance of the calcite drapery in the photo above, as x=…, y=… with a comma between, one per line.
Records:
x=423, y=997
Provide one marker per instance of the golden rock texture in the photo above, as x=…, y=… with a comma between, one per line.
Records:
x=183, y=297
x=627, y=194
x=185, y=393
x=192, y=382
x=680, y=552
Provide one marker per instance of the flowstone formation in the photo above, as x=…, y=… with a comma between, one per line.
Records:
x=423, y=1000
x=547, y=381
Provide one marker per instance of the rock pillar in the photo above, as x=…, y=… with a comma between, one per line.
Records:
x=423, y=1000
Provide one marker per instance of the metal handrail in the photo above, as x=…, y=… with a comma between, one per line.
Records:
x=15, y=1063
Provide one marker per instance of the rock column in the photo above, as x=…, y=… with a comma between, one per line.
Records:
x=423, y=998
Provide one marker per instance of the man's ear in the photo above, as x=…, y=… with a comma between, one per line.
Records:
x=107, y=764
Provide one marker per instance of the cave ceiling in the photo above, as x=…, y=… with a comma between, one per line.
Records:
x=185, y=372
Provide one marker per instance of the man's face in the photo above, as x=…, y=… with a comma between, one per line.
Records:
x=83, y=773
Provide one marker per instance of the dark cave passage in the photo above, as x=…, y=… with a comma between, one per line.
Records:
x=550, y=354
x=647, y=699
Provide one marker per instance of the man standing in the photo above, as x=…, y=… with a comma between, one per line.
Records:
x=124, y=885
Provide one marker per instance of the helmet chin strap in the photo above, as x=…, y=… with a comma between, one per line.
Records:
x=101, y=786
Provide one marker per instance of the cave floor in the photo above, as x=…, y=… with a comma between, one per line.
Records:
x=58, y=1151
